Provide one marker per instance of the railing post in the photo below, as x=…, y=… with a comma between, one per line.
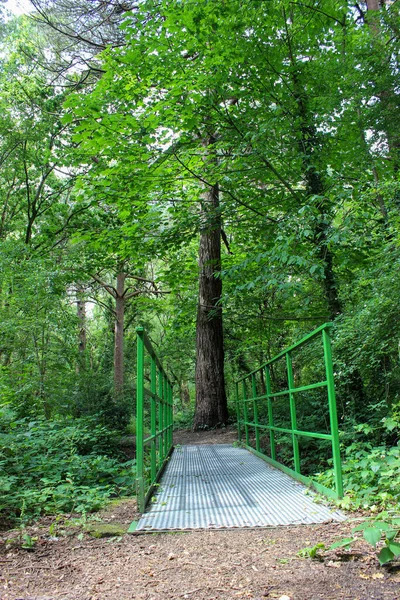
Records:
x=255, y=410
x=337, y=465
x=139, y=420
x=170, y=416
x=153, y=417
x=270, y=412
x=293, y=418
x=238, y=413
x=245, y=412
x=160, y=416
x=165, y=411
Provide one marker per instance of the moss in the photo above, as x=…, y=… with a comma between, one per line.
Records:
x=121, y=501
x=102, y=530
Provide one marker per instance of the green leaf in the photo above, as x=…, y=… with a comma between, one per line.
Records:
x=391, y=534
x=385, y=555
x=394, y=547
x=343, y=543
x=362, y=526
x=372, y=535
x=390, y=423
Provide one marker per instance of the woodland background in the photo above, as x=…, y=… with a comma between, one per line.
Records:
x=134, y=133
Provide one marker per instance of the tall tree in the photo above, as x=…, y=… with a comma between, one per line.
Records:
x=122, y=292
x=289, y=170
x=212, y=406
x=211, y=402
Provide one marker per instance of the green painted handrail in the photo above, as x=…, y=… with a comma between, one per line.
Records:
x=243, y=401
x=154, y=419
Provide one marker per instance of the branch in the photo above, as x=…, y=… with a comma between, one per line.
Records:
x=109, y=288
x=73, y=36
x=316, y=318
x=156, y=292
x=7, y=153
x=103, y=304
x=133, y=294
x=225, y=240
x=140, y=279
x=65, y=226
x=254, y=210
x=318, y=10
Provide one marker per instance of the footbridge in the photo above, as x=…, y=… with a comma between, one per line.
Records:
x=246, y=484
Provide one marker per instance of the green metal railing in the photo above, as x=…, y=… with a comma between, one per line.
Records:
x=154, y=419
x=248, y=401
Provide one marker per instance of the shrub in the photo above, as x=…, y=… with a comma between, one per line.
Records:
x=371, y=476
x=58, y=466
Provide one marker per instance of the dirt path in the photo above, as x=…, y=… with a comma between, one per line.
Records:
x=212, y=565
x=227, y=435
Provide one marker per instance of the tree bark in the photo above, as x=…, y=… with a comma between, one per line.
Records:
x=184, y=394
x=329, y=281
x=119, y=335
x=211, y=403
x=81, y=310
x=374, y=4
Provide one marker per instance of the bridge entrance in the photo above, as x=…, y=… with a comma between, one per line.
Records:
x=227, y=486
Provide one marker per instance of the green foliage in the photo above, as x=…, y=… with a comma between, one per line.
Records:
x=312, y=552
x=59, y=466
x=383, y=531
x=28, y=542
x=371, y=475
x=183, y=419
x=366, y=340
x=131, y=426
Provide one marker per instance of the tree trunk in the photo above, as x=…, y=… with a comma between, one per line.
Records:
x=329, y=282
x=211, y=403
x=184, y=394
x=119, y=335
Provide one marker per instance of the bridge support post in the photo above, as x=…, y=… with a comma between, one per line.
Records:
x=270, y=413
x=337, y=465
x=139, y=422
x=293, y=418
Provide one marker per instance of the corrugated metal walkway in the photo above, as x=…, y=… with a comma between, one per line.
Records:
x=220, y=486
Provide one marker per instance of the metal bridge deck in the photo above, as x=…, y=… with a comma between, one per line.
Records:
x=221, y=486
